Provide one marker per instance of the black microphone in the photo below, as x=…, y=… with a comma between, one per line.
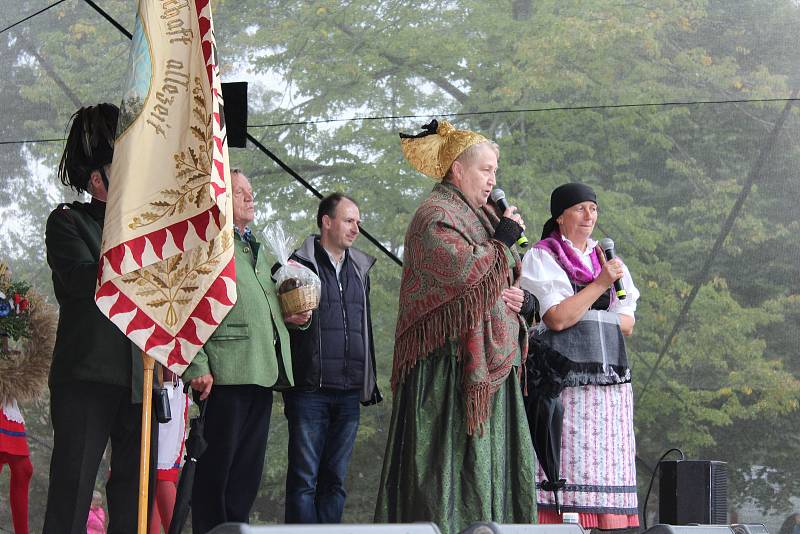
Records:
x=607, y=245
x=499, y=198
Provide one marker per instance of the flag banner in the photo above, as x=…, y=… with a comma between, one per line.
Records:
x=166, y=276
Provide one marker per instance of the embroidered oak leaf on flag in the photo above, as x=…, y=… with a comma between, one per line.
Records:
x=172, y=282
x=192, y=169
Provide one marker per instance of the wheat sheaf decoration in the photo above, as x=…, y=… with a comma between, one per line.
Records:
x=27, y=335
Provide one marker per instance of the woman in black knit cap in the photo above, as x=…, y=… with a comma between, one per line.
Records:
x=584, y=321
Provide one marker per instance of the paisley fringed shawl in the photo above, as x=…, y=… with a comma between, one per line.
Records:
x=453, y=274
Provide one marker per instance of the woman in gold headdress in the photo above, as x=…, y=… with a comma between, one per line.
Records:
x=459, y=449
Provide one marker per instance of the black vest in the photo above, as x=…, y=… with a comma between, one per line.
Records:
x=603, y=302
x=341, y=319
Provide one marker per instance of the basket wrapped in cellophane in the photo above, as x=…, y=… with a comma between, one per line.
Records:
x=298, y=286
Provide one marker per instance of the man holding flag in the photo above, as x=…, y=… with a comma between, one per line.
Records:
x=96, y=374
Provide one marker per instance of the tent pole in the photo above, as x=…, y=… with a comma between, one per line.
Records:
x=144, y=454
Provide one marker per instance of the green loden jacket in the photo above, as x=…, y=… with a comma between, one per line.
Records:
x=243, y=348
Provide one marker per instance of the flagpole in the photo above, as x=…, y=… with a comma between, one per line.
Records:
x=144, y=455
x=136, y=246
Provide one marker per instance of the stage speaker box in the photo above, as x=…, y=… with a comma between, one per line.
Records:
x=739, y=528
x=707, y=529
x=398, y=528
x=234, y=97
x=489, y=527
x=693, y=492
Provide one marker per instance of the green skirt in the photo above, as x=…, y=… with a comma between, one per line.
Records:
x=434, y=471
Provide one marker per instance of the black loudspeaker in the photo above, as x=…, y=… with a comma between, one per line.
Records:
x=234, y=96
x=693, y=491
x=405, y=528
x=707, y=529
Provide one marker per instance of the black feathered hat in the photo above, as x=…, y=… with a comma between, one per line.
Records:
x=90, y=145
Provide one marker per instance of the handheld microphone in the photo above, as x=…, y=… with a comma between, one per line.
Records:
x=607, y=245
x=499, y=198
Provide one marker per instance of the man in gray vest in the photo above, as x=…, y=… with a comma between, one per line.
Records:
x=334, y=367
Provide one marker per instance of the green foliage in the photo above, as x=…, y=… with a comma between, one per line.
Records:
x=667, y=176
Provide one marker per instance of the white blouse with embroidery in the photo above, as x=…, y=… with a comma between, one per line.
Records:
x=544, y=277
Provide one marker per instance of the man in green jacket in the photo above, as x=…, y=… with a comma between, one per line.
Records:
x=96, y=374
x=234, y=373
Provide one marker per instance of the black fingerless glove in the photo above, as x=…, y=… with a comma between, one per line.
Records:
x=528, y=304
x=507, y=231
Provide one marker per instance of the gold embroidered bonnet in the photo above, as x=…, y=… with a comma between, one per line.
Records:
x=434, y=150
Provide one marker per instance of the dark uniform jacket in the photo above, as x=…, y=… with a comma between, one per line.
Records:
x=89, y=347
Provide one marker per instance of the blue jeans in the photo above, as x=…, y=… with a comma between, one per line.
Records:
x=322, y=432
